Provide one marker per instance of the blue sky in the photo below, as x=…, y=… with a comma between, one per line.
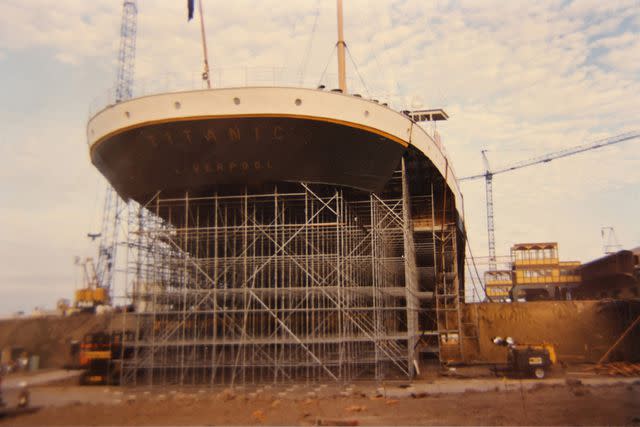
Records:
x=518, y=78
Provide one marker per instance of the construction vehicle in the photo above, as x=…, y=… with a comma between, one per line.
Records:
x=526, y=360
x=92, y=294
x=101, y=355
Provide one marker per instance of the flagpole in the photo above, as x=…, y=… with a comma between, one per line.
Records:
x=205, y=74
x=342, y=74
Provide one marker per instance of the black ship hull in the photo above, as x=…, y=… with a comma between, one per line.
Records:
x=207, y=154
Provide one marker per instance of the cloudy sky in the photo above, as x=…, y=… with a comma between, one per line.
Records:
x=518, y=78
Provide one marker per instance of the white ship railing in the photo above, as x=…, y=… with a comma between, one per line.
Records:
x=246, y=77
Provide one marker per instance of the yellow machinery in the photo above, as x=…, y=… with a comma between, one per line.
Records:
x=91, y=295
x=529, y=360
x=101, y=355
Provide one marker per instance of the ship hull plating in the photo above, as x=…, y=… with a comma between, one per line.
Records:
x=207, y=154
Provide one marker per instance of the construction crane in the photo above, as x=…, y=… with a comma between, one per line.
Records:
x=610, y=243
x=91, y=294
x=112, y=202
x=488, y=176
x=127, y=51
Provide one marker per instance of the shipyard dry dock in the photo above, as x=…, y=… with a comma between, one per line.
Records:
x=279, y=234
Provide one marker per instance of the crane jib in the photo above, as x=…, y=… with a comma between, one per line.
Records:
x=558, y=154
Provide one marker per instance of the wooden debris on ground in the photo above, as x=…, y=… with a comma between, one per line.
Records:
x=624, y=369
x=259, y=416
x=336, y=422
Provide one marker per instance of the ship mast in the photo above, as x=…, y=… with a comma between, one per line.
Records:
x=342, y=74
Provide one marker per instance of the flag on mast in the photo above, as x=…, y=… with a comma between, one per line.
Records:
x=190, y=8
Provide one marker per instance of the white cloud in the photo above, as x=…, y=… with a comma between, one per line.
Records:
x=73, y=28
x=623, y=52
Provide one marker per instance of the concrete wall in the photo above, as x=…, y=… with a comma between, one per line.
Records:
x=582, y=331
x=49, y=337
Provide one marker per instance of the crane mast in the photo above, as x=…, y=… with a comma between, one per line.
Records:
x=491, y=237
x=112, y=203
x=127, y=51
x=488, y=176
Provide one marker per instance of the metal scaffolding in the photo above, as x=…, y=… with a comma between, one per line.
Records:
x=301, y=282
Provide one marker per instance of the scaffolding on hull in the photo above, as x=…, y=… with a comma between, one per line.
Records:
x=317, y=283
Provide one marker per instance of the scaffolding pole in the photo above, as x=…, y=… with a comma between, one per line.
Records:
x=314, y=283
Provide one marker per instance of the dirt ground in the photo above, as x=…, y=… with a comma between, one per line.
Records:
x=615, y=404
x=582, y=331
